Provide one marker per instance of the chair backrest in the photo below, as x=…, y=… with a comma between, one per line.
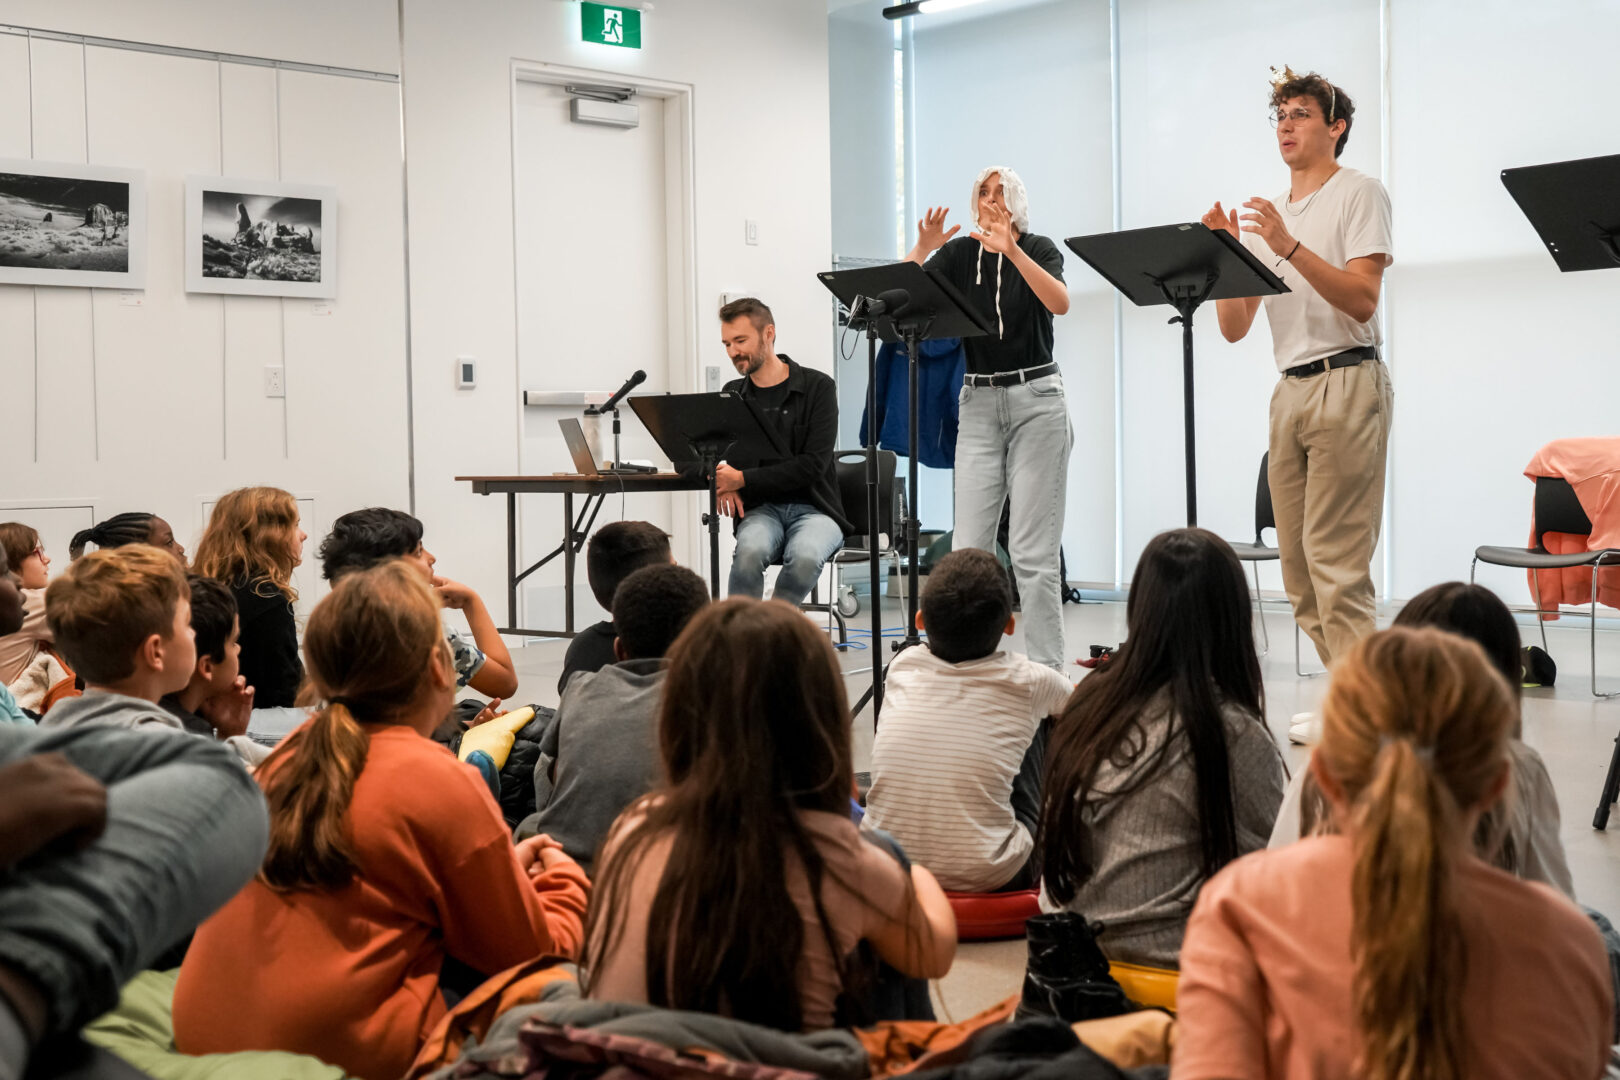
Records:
x=1264, y=517
x=850, y=466
x=1558, y=510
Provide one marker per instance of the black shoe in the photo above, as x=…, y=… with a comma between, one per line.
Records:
x=1068, y=974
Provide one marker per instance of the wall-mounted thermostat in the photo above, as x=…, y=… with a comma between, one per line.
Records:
x=466, y=373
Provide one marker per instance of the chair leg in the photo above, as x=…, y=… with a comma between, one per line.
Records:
x=1611, y=789
x=1260, y=610
x=1595, y=692
x=1541, y=622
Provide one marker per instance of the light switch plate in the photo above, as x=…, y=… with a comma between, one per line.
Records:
x=275, y=381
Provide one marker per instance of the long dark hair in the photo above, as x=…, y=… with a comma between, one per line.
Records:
x=1189, y=635
x=754, y=728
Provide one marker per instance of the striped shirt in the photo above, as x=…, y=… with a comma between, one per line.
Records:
x=949, y=744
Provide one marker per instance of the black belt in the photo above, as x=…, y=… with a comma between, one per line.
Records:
x=1013, y=378
x=1348, y=358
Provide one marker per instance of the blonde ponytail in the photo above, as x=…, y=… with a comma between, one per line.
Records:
x=1414, y=734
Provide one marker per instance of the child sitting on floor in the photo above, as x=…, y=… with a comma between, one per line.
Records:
x=956, y=767
x=617, y=550
x=1161, y=769
x=741, y=886
x=132, y=527
x=1391, y=950
x=11, y=620
x=217, y=701
x=26, y=555
x=600, y=753
x=361, y=539
x=387, y=857
x=252, y=545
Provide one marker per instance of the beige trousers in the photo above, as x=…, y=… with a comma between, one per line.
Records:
x=1329, y=439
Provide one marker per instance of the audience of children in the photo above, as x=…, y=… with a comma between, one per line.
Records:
x=1161, y=769
x=26, y=556
x=958, y=758
x=114, y=845
x=1391, y=950
x=712, y=790
x=616, y=550
x=742, y=886
x=1518, y=834
x=600, y=753
x=128, y=528
x=387, y=857
x=361, y=539
x=252, y=544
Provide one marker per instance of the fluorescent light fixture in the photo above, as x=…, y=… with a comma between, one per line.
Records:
x=925, y=7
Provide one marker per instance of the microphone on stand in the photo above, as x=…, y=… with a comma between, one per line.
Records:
x=629, y=384
x=892, y=302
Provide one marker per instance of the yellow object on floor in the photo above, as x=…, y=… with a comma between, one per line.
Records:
x=495, y=737
x=1150, y=986
x=1132, y=1040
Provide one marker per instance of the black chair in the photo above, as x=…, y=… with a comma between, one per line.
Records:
x=850, y=469
x=1557, y=509
x=1256, y=553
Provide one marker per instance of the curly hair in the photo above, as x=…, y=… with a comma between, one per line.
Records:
x=1332, y=100
x=653, y=605
x=249, y=541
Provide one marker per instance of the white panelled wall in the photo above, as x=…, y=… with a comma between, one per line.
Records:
x=1492, y=351
x=154, y=400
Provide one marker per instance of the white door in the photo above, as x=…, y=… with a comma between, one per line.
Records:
x=593, y=302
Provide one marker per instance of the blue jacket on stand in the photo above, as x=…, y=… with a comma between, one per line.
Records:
x=940, y=372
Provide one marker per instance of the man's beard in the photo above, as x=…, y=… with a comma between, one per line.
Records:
x=752, y=363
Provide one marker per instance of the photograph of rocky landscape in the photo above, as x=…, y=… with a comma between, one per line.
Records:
x=260, y=237
x=67, y=223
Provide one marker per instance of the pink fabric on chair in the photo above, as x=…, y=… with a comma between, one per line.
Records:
x=1592, y=468
x=982, y=916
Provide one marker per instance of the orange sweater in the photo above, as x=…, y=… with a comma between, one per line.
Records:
x=352, y=976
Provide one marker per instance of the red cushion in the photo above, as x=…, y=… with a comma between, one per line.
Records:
x=981, y=916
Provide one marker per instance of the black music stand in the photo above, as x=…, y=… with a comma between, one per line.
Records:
x=698, y=431
x=935, y=309
x=1574, y=207
x=1183, y=266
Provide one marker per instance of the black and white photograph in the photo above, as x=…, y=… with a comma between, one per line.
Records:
x=261, y=238
x=67, y=224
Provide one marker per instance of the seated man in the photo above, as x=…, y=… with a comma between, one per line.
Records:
x=600, y=754
x=956, y=767
x=787, y=508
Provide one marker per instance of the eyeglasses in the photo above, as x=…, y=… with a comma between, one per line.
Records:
x=1295, y=115
x=39, y=549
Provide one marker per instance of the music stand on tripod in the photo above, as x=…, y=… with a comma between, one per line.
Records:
x=930, y=307
x=699, y=431
x=1183, y=266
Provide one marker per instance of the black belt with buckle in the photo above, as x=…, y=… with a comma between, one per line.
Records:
x=1348, y=358
x=1013, y=378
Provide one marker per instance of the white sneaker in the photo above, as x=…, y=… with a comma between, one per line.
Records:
x=1305, y=729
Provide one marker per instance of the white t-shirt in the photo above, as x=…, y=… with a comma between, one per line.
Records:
x=948, y=746
x=1347, y=218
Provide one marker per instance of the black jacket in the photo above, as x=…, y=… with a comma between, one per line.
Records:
x=808, y=426
x=269, y=639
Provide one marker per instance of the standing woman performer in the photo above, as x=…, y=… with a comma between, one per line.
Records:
x=1013, y=436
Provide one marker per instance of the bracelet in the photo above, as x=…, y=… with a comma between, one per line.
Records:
x=1290, y=256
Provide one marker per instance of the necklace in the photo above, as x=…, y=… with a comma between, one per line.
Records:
x=1312, y=198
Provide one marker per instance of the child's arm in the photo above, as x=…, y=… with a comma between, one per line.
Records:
x=496, y=676
x=919, y=939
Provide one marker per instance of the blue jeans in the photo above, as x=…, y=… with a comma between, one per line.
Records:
x=186, y=828
x=1013, y=443
x=797, y=535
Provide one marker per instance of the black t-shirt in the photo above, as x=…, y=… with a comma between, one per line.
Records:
x=771, y=399
x=1025, y=325
x=591, y=650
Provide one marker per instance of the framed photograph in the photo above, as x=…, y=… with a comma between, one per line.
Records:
x=65, y=224
x=260, y=237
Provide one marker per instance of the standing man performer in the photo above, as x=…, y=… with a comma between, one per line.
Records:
x=1013, y=435
x=1328, y=238
x=785, y=509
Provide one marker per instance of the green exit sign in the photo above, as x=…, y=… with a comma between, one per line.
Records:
x=603, y=24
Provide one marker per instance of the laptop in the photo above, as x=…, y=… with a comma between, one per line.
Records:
x=579, y=448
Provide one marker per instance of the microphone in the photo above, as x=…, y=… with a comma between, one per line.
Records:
x=629, y=384
x=892, y=302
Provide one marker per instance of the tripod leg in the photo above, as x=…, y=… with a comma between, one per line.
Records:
x=1611, y=789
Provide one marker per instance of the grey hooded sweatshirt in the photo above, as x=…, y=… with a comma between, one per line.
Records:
x=120, y=710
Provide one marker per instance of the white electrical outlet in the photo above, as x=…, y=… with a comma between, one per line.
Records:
x=275, y=381
x=711, y=379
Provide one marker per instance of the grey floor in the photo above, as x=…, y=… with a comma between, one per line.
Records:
x=1573, y=731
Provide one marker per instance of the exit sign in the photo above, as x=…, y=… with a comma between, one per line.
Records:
x=603, y=24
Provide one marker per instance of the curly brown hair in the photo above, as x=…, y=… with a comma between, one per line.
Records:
x=248, y=541
x=1333, y=101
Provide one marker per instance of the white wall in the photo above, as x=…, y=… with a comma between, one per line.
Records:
x=160, y=406
x=758, y=73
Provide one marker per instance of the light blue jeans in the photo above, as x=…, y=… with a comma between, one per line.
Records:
x=1013, y=443
x=798, y=535
x=186, y=828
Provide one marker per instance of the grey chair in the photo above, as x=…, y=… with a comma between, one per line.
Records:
x=1256, y=553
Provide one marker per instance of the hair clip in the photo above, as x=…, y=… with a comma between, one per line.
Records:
x=1425, y=753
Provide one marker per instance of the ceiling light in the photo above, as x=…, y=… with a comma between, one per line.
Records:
x=925, y=7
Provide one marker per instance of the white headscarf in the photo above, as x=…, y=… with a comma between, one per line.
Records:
x=1017, y=200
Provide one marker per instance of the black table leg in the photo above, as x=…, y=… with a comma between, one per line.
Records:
x=511, y=559
x=568, y=562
